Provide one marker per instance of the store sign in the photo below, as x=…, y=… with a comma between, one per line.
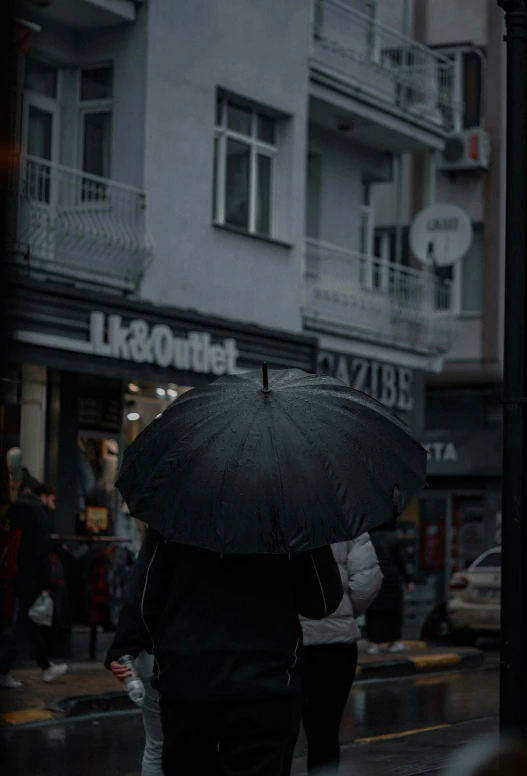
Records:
x=143, y=343
x=391, y=385
x=441, y=452
x=97, y=518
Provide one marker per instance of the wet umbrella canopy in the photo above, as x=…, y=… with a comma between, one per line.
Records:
x=250, y=466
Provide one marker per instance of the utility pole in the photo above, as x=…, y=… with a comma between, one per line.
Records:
x=513, y=700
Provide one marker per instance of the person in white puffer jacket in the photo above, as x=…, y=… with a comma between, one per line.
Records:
x=330, y=653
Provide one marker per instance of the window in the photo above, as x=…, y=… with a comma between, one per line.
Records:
x=466, y=277
x=96, y=104
x=41, y=78
x=468, y=86
x=40, y=127
x=245, y=149
x=490, y=561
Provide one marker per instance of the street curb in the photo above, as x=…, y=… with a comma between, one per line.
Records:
x=78, y=706
x=103, y=703
x=411, y=665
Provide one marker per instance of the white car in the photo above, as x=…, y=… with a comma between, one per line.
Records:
x=474, y=603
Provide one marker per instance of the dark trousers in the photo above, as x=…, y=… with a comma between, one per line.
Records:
x=328, y=674
x=25, y=632
x=384, y=625
x=235, y=738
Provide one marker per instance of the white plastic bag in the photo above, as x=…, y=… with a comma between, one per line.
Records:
x=41, y=612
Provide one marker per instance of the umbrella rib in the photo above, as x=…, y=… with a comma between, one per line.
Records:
x=240, y=449
x=284, y=537
x=312, y=446
x=203, y=448
x=395, y=442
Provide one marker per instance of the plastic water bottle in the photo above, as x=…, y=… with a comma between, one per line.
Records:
x=133, y=684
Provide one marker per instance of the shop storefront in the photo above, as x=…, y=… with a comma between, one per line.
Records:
x=457, y=518
x=109, y=366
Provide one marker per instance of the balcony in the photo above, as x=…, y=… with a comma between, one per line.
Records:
x=351, y=293
x=378, y=67
x=79, y=227
x=82, y=14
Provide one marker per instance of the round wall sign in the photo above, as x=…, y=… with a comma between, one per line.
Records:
x=440, y=234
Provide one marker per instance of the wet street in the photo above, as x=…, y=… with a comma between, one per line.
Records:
x=112, y=744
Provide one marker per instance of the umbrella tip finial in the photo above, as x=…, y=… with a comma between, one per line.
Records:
x=265, y=376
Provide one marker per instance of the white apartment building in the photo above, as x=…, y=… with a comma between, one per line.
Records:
x=203, y=185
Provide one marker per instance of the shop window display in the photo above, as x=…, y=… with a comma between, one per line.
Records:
x=143, y=402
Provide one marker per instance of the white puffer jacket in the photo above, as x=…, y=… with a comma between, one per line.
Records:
x=361, y=581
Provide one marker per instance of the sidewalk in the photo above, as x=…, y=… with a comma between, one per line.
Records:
x=89, y=688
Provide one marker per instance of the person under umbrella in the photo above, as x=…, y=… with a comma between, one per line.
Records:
x=244, y=488
x=331, y=653
x=226, y=640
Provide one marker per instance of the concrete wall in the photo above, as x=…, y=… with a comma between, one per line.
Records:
x=392, y=13
x=258, y=51
x=465, y=190
x=344, y=165
x=468, y=343
x=451, y=21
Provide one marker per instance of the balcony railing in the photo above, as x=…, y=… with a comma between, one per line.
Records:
x=391, y=303
x=384, y=63
x=76, y=225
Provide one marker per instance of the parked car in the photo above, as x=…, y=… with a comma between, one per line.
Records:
x=474, y=604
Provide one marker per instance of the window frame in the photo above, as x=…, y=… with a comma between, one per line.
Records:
x=459, y=278
x=222, y=134
x=456, y=53
x=87, y=107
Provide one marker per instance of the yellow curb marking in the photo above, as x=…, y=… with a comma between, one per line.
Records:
x=429, y=681
x=448, y=659
x=402, y=734
x=26, y=715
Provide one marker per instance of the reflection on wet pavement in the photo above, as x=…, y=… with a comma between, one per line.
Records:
x=112, y=744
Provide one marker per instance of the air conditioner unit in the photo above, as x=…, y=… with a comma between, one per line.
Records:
x=468, y=150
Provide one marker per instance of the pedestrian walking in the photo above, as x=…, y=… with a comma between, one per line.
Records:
x=129, y=639
x=28, y=517
x=384, y=617
x=152, y=764
x=227, y=645
x=244, y=485
x=331, y=653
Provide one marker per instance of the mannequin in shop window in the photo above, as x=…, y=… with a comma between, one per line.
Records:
x=85, y=483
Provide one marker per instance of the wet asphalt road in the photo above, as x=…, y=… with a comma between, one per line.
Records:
x=112, y=744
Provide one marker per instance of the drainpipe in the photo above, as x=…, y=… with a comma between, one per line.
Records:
x=513, y=685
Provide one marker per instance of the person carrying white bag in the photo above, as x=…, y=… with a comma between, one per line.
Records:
x=29, y=514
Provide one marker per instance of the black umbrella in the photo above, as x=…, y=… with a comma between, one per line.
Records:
x=302, y=462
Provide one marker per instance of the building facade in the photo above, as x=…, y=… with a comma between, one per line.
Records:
x=459, y=516
x=195, y=193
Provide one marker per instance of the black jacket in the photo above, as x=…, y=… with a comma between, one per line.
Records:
x=34, y=554
x=391, y=560
x=223, y=627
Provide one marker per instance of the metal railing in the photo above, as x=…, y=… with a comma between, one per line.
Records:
x=383, y=62
x=392, y=302
x=78, y=225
